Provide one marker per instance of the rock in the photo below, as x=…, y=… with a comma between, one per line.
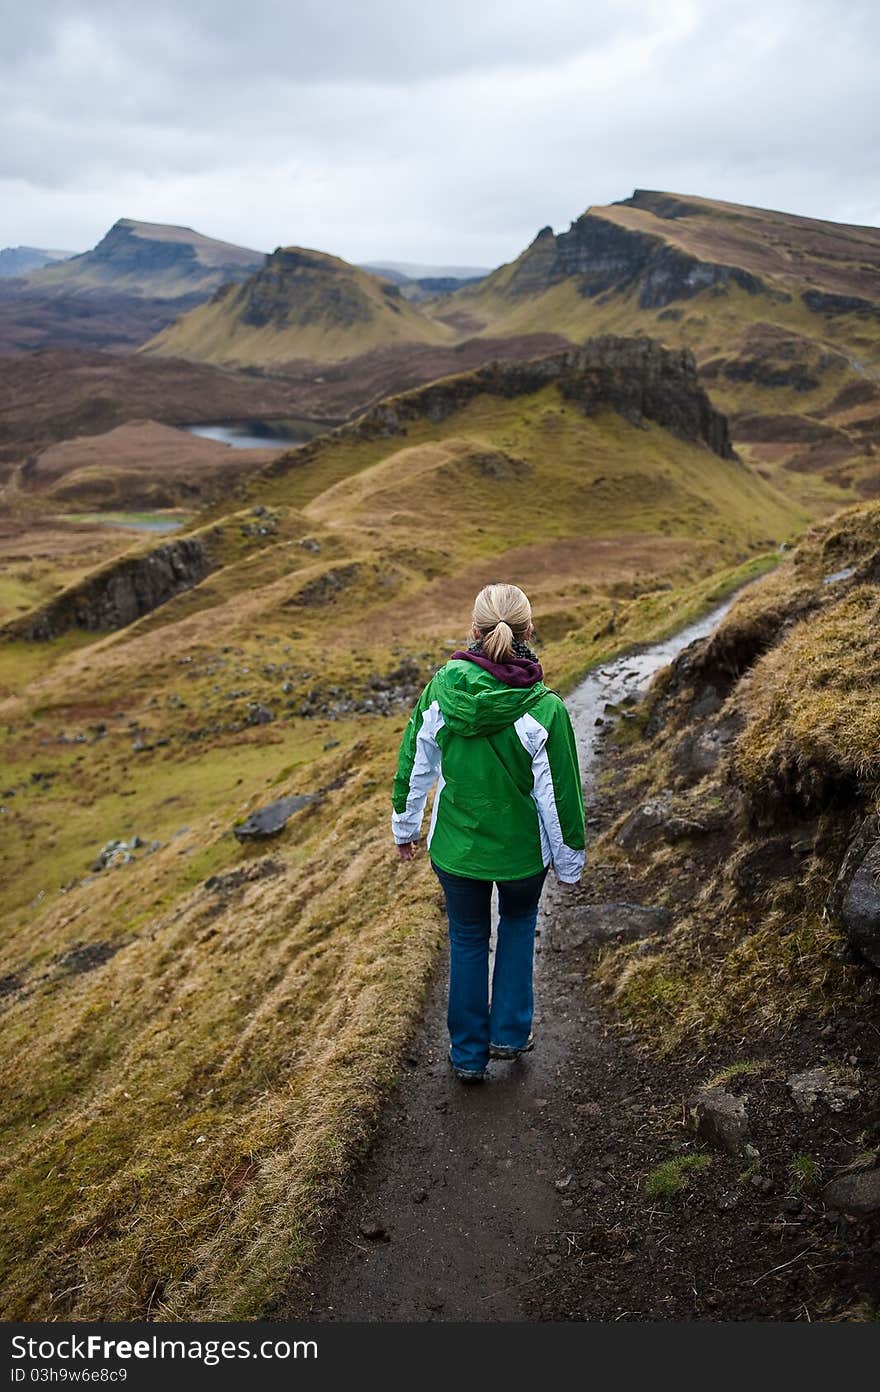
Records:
x=856, y=1194
x=825, y=1083
x=645, y=824
x=373, y=1230
x=708, y=702
x=720, y=1119
x=271, y=819
x=419, y=1195
x=119, y=593
x=655, y=821
x=259, y=714
x=855, y=898
x=603, y=923
x=696, y=754
x=725, y=1203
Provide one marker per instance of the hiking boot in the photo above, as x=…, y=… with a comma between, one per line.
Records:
x=502, y=1051
x=467, y=1075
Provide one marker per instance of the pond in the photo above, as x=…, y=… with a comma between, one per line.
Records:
x=257, y=434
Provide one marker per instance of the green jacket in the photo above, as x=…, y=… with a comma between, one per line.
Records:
x=509, y=797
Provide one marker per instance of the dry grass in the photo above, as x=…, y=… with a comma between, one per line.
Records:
x=189, y=1107
x=798, y=661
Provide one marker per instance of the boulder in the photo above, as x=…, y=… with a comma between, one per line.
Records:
x=273, y=818
x=645, y=825
x=720, y=1119
x=607, y=923
x=855, y=1194
x=655, y=821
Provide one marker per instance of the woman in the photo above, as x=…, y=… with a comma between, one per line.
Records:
x=509, y=803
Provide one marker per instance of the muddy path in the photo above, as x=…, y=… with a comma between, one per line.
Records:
x=522, y=1199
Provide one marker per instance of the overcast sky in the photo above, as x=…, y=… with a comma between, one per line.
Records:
x=426, y=130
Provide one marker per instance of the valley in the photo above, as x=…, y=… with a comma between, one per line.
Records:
x=235, y=542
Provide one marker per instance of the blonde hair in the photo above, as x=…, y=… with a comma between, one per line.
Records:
x=502, y=613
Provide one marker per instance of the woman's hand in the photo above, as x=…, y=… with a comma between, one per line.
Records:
x=407, y=851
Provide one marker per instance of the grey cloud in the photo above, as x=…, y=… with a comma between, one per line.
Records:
x=450, y=131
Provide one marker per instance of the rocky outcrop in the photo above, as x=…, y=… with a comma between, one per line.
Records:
x=602, y=256
x=855, y=898
x=119, y=593
x=152, y=258
x=637, y=377
x=280, y=294
x=820, y=302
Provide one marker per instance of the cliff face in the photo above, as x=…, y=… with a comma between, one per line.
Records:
x=608, y=257
x=636, y=377
x=298, y=287
x=151, y=259
x=603, y=257
x=119, y=593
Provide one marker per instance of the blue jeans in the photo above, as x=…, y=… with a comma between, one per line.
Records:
x=473, y=1023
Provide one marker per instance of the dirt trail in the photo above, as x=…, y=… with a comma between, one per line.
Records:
x=462, y=1180
x=522, y=1198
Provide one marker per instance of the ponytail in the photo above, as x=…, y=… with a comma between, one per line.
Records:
x=498, y=644
x=502, y=616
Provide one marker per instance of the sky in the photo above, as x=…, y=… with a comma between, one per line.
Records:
x=426, y=130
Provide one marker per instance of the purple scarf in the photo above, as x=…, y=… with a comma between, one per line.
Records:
x=516, y=671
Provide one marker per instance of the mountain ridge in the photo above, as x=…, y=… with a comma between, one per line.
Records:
x=146, y=258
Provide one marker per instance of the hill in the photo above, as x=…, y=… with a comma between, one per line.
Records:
x=419, y=283
x=139, y=465
x=58, y=395
x=210, y=1022
x=782, y=313
x=151, y=259
x=300, y=305
x=139, y=277
x=18, y=261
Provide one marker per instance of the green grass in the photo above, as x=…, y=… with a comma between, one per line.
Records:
x=672, y=1176
x=743, y=1068
x=805, y=1173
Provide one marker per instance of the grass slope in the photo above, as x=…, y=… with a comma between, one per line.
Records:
x=195, y=1042
x=300, y=305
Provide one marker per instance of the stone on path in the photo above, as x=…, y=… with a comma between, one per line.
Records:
x=607, y=923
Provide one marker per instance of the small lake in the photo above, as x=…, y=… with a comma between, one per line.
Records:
x=131, y=521
x=254, y=434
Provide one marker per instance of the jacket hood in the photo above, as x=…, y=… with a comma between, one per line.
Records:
x=516, y=671
x=475, y=702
